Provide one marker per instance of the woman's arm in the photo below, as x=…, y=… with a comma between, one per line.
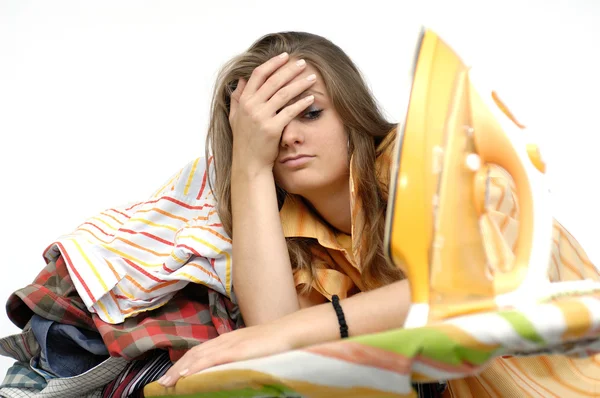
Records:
x=369, y=312
x=375, y=311
x=262, y=277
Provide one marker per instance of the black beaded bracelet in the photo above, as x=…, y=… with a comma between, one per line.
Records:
x=335, y=300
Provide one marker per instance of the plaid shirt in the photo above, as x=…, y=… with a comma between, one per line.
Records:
x=20, y=375
x=196, y=314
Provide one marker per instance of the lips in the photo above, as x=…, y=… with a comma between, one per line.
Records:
x=295, y=161
x=294, y=158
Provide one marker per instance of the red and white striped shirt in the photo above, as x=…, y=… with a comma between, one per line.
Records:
x=134, y=258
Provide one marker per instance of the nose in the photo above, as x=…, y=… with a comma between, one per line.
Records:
x=292, y=135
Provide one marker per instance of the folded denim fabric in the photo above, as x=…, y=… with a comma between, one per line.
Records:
x=65, y=349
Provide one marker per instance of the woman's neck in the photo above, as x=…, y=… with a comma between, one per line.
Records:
x=333, y=206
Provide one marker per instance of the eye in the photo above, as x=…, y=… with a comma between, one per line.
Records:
x=312, y=113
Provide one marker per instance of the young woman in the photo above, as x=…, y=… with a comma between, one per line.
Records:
x=302, y=156
x=301, y=153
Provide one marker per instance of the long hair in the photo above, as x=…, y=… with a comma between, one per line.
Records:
x=363, y=121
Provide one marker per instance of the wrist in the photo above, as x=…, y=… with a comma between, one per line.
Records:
x=250, y=183
x=311, y=326
x=245, y=172
x=335, y=301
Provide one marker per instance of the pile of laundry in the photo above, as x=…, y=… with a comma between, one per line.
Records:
x=123, y=296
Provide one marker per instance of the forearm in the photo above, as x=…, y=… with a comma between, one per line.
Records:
x=262, y=277
x=375, y=311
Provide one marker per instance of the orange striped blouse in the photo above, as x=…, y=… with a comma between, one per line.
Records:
x=337, y=264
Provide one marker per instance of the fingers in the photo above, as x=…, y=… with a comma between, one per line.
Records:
x=288, y=113
x=269, y=89
x=289, y=93
x=278, y=79
x=262, y=73
x=235, y=97
x=208, y=354
x=173, y=374
x=193, y=361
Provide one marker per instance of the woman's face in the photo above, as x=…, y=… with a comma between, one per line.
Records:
x=313, y=153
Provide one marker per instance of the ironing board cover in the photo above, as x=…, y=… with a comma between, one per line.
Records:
x=385, y=364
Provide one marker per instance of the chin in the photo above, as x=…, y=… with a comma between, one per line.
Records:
x=299, y=189
x=301, y=186
x=296, y=182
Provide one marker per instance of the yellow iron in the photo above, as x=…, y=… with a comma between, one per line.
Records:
x=454, y=130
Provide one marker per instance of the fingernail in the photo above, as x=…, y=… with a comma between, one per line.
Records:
x=310, y=98
x=164, y=380
x=312, y=77
x=184, y=372
x=301, y=62
x=283, y=55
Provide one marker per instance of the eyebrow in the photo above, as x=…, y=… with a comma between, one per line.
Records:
x=303, y=94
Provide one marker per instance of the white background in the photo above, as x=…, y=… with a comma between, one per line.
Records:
x=101, y=101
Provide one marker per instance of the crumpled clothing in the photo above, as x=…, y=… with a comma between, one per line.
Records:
x=137, y=374
x=194, y=315
x=132, y=259
x=88, y=384
x=65, y=349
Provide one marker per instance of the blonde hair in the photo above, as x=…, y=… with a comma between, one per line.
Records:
x=364, y=123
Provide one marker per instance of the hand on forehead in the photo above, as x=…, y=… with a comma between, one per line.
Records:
x=317, y=89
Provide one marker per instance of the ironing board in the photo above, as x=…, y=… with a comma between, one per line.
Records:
x=385, y=364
